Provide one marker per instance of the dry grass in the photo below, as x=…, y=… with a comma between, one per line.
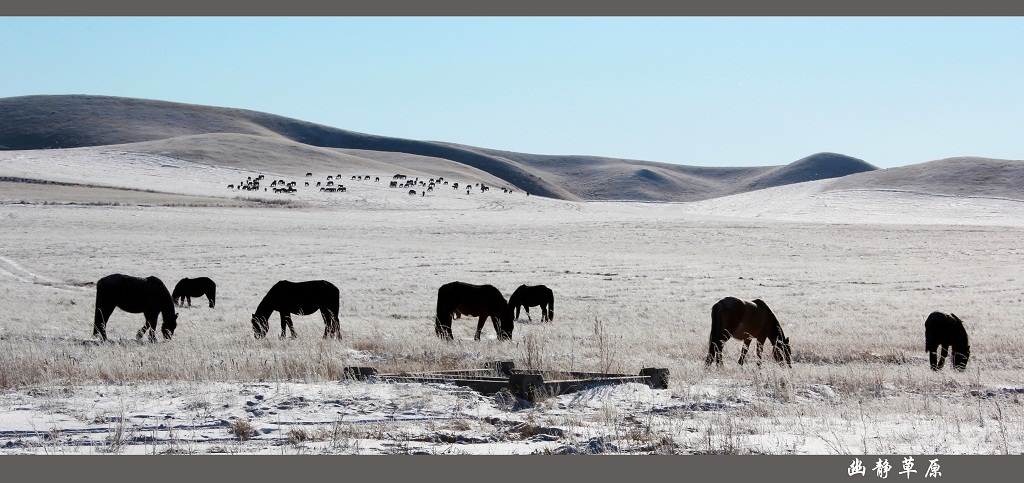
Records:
x=630, y=293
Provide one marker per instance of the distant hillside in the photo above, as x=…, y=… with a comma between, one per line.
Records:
x=962, y=176
x=812, y=168
x=244, y=138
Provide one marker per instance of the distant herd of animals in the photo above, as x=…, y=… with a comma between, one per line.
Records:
x=731, y=318
x=333, y=185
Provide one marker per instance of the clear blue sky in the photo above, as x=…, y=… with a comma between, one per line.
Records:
x=745, y=91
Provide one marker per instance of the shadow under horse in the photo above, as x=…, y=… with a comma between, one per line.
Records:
x=527, y=296
x=947, y=332
x=187, y=288
x=148, y=296
x=302, y=298
x=474, y=300
x=740, y=319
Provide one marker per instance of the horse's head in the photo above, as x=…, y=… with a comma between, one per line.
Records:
x=260, y=326
x=782, y=351
x=170, y=323
x=507, y=324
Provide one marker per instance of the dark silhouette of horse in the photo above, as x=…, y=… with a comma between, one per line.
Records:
x=527, y=296
x=301, y=298
x=948, y=332
x=739, y=319
x=187, y=288
x=134, y=295
x=475, y=300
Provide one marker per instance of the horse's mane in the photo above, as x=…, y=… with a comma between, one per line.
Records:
x=266, y=305
x=777, y=332
x=166, y=301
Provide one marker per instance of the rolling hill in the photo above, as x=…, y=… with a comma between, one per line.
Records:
x=248, y=139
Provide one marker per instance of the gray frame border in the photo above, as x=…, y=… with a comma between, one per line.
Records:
x=253, y=468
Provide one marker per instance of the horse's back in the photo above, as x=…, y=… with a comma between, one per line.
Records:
x=121, y=283
x=304, y=296
x=131, y=294
x=938, y=320
x=945, y=329
x=741, y=318
x=731, y=306
x=532, y=294
x=467, y=297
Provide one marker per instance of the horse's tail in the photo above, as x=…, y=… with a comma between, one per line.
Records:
x=334, y=302
x=714, y=345
x=443, y=316
x=97, y=322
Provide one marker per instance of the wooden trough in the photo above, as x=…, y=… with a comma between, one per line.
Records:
x=532, y=385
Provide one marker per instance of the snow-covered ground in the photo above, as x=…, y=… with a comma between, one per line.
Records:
x=852, y=275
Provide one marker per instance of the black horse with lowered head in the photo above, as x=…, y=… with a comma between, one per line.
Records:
x=300, y=298
x=948, y=332
x=148, y=296
x=475, y=300
x=740, y=319
x=527, y=296
x=187, y=288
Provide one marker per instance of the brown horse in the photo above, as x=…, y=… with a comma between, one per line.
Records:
x=134, y=295
x=739, y=319
x=527, y=296
x=475, y=300
x=948, y=332
x=187, y=288
x=301, y=298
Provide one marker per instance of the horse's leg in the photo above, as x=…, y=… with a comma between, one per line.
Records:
x=544, y=313
x=286, y=324
x=480, y=327
x=213, y=297
x=760, y=350
x=189, y=298
x=958, y=359
x=99, y=324
x=711, y=353
x=527, y=308
x=439, y=327
x=330, y=324
x=714, y=352
x=743, y=353
x=150, y=326
x=942, y=357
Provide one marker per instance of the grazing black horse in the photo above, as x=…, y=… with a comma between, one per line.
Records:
x=476, y=300
x=527, y=296
x=301, y=298
x=739, y=319
x=194, y=287
x=148, y=296
x=948, y=332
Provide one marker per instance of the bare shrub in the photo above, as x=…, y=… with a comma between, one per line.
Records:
x=241, y=429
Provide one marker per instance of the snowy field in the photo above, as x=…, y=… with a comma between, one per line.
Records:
x=852, y=276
